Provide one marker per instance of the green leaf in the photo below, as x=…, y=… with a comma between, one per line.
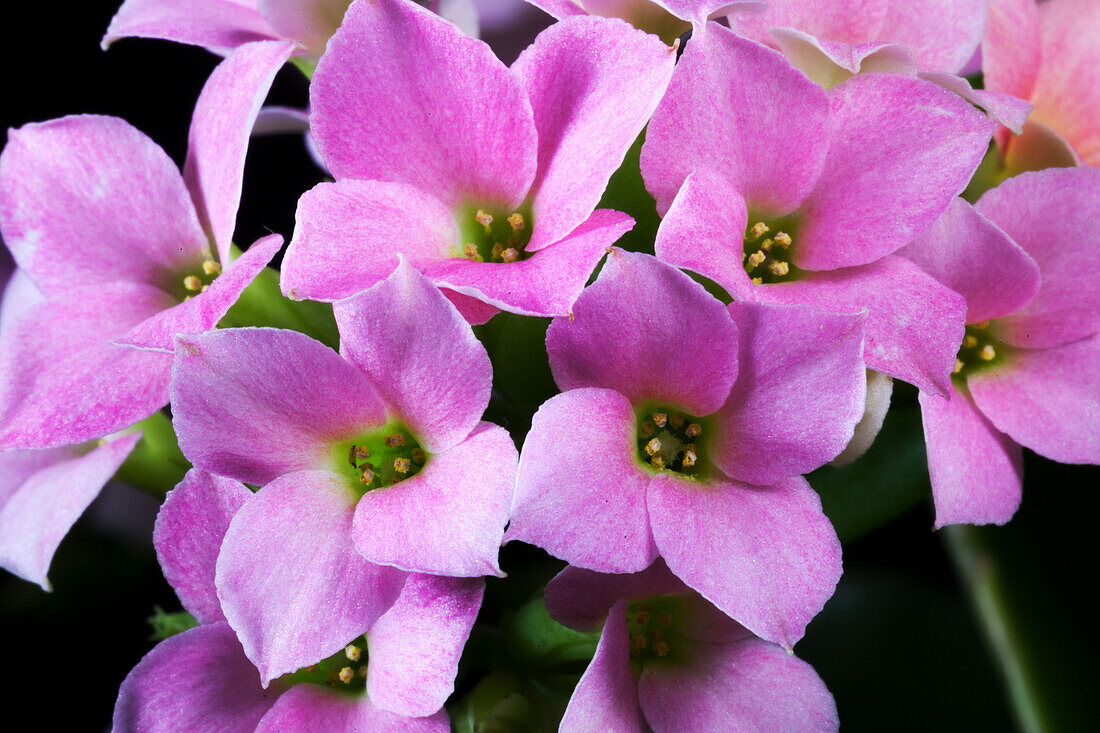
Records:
x=156, y=464
x=537, y=641
x=169, y=624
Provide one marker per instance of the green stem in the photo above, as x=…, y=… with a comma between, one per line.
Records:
x=156, y=464
x=263, y=304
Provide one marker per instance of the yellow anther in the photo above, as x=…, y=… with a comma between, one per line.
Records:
x=779, y=268
x=981, y=326
x=657, y=461
x=987, y=353
x=689, y=458
x=757, y=258
x=484, y=220
x=969, y=342
x=693, y=429
x=393, y=441
x=653, y=447
x=353, y=652
x=766, y=245
x=417, y=455
x=347, y=675
x=469, y=251
x=660, y=419
x=641, y=618
x=498, y=248
x=783, y=239
x=959, y=366
x=516, y=220
x=664, y=619
x=192, y=283
x=402, y=465
x=660, y=648
x=210, y=267
x=313, y=668
x=366, y=476
x=359, y=452
x=758, y=230
x=510, y=255
x=677, y=420
x=758, y=281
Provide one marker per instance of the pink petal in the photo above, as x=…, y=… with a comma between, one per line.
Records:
x=903, y=149
x=743, y=111
x=976, y=471
x=746, y=685
x=1055, y=216
x=40, y=512
x=18, y=297
x=844, y=21
x=967, y=253
x=594, y=519
x=449, y=518
x=312, y=707
x=243, y=409
x=581, y=599
x=415, y=646
x=197, y=680
x=402, y=95
x=943, y=34
x=219, y=25
x=220, y=129
x=593, y=84
x=420, y=354
x=473, y=310
x=1011, y=47
x=914, y=324
x=89, y=200
x=290, y=581
x=188, y=536
x=1046, y=399
x=829, y=63
x=62, y=381
x=606, y=698
x=350, y=234
x=1010, y=111
x=800, y=392
x=649, y=332
x=767, y=557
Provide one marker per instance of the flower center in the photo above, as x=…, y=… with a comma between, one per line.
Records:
x=494, y=235
x=380, y=458
x=670, y=440
x=195, y=280
x=767, y=255
x=979, y=349
x=346, y=670
x=652, y=625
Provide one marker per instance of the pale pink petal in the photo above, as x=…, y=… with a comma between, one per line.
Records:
x=402, y=95
x=197, y=680
x=842, y=21
x=767, y=557
x=220, y=128
x=594, y=519
x=581, y=599
x=746, y=685
x=606, y=698
x=255, y=403
x=967, y=253
x=914, y=324
x=976, y=471
x=879, y=390
x=745, y=112
x=1011, y=47
x=37, y=516
x=1010, y=111
x=449, y=518
x=90, y=200
x=942, y=34
x=415, y=646
x=829, y=63
x=593, y=84
x=219, y=25
x=290, y=581
x=312, y=707
x=188, y=536
x=799, y=394
x=1046, y=399
x=649, y=332
x=16, y=466
x=421, y=355
x=903, y=148
x=19, y=295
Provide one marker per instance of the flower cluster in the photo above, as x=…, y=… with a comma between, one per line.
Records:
x=349, y=496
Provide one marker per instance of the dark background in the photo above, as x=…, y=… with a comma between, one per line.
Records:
x=898, y=644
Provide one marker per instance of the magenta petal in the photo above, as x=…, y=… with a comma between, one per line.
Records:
x=312, y=707
x=89, y=200
x=290, y=581
x=242, y=409
x=745, y=685
x=593, y=84
x=976, y=471
x=767, y=557
x=449, y=518
x=203, y=311
x=420, y=354
x=1046, y=399
x=970, y=255
x=62, y=381
x=41, y=511
x=800, y=392
x=402, y=95
x=902, y=150
x=744, y=111
x=1055, y=216
x=594, y=519
x=188, y=536
x=220, y=128
x=580, y=599
x=914, y=324
x=350, y=234
x=606, y=698
x=197, y=680
x=415, y=646
x=649, y=332
x=219, y=25
x=473, y=310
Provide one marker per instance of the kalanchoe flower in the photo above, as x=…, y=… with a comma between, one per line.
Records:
x=1028, y=370
x=783, y=192
x=202, y=680
x=670, y=661
x=668, y=19
x=485, y=177
x=127, y=253
x=682, y=431
x=375, y=455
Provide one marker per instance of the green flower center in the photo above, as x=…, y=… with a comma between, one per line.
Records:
x=380, y=458
x=653, y=627
x=671, y=440
x=767, y=255
x=346, y=670
x=194, y=280
x=979, y=350
x=492, y=234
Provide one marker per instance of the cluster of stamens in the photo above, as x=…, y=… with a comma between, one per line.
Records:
x=198, y=281
x=977, y=348
x=669, y=440
x=345, y=670
x=647, y=624
x=765, y=258
x=378, y=464
x=495, y=238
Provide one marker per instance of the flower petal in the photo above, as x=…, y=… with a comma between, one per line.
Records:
x=312, y=707
x=1010, y=111
x=1011, y=50
x=879, y=390
x=219, y=25
x=581, y=599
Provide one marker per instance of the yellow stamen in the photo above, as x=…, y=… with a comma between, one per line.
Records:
x=402, y=465
x=516, y=220
x=353, y=652
x=653, y=447
x=366, y=476
x=660, y=419
x=757, y=258
x=510, y=255
x=347, y=675
x=210, y=267
x=783, y=239
x=393, y=441
x=689, y=458
x=959, y=366
x=192, y=283
x=779, y=268
x=987, y=353
x=469, y=251
x=758, y=230
x=484, y=220
x=969, y=342
x=693, y=429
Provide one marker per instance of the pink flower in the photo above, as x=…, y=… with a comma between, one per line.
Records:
x=120, y=244
x=369, y=458
x=783, y=192
x=668, y=660
x=682, y=432
x=669, y=19
x=1028, y=372
x=484, y=177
